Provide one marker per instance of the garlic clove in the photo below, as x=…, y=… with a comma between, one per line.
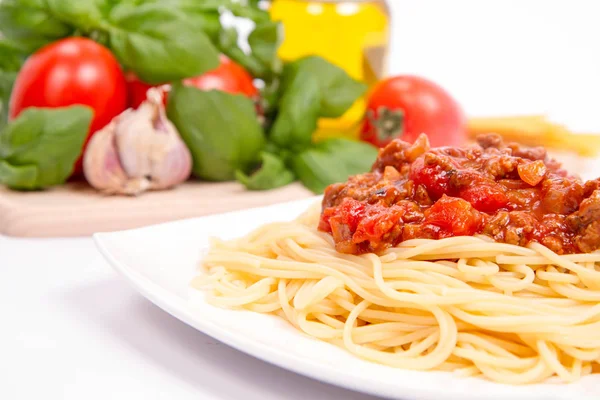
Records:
x=132, y=131
x=139, y=150
x=101, y=164
x=171, y=160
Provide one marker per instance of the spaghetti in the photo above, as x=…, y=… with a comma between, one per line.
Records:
x=482, y=260
x=465, y=304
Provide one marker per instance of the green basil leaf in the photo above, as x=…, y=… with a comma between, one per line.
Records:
x=18, y=176
x=220, y=129
x=299, y=110
x=250, y=10
x=11, y=59
x=205, y=20
x=39, y=148
x=160, y=43
x=203, y=15
x=228, y=45
x=85, y=15
x=11, y=56
x=264, y=42
x=271, y=174
x=272, y=148
x=7, y=79
x=332, y=161
x=30, y=24
x=338, y=90
x=311, y=88
x=202, y=5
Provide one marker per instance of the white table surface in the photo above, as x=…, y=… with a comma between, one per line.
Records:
x=72, y=329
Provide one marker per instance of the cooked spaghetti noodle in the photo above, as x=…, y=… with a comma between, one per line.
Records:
x=464, y=304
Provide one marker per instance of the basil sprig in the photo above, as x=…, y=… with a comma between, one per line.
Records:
x=167, y=41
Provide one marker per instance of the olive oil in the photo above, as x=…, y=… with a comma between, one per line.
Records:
x=351, y=34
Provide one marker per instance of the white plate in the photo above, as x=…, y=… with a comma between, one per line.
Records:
x=160, y=260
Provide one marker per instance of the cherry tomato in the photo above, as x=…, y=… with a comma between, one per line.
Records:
x=68, y=72
x=405, y=106
x=228, y=77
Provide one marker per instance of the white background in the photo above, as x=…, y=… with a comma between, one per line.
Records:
x=71, y=329
x=506, y=56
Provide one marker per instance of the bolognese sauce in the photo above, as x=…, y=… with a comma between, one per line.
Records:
x=511, y=193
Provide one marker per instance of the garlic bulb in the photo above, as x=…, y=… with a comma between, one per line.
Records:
x=138, y=150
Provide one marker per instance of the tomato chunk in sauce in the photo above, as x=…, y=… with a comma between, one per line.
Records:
x=511, y=193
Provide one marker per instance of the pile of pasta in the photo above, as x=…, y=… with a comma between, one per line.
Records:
x=468, y=305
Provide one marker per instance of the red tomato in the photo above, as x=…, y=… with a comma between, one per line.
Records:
x=485, y=197
x=68, y=72
x=454, y=215
x=348, y=214
x=433, y=177
x=403, y=107
x=228, y=77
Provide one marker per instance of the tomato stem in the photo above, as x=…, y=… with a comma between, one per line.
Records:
x=389, y=123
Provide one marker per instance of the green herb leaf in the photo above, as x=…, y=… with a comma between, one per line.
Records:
x=332, y=161
x=228, y=45
x=7, y=79
x=30, y=24
x=250, y=10
x=311, y=88
x=338, y=90
x=85, y=15
x=271, y=174
x=11, y=59
x=40, y=147
x=220, y=129
x=160, y=43
x=264, y=42
x=11, y=56
x=203, y=15
x=299, y=110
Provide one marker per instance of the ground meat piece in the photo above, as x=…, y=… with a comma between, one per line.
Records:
x=411, y=211
x=520, y=227
x=489, y=140
x=554, y=233
x=358, y=187
x=554, y=243
x=561, y=195
x=501, y=167
x=495, y=226
x=529, y=153
x=334, y=192
x=399, y=153
x=458, y=180
x=586, y=223
x=422, y=196
x=522, y=199
x=588, y=238
x=590, y=187
x=419, y=231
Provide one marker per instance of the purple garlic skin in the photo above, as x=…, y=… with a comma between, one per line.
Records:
x=138, y=150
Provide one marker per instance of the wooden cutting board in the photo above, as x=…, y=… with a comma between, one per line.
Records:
x=77, y=210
